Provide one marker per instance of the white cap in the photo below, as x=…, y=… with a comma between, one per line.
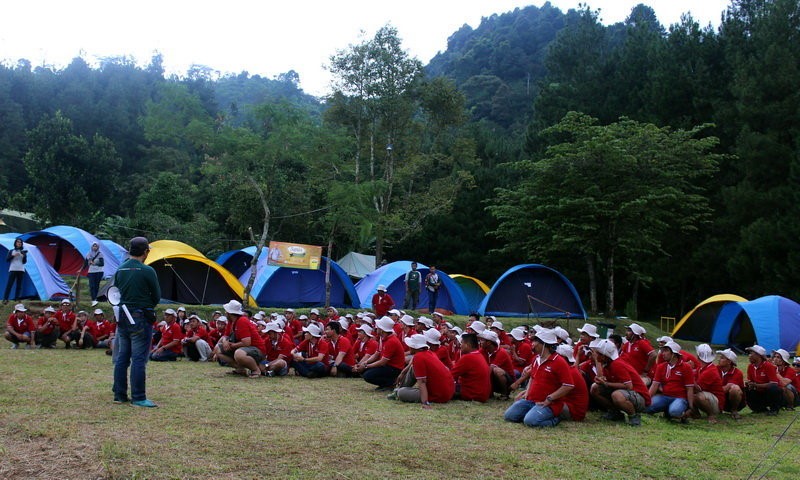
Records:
x=458, y=331
x=366, y=329
x=497, y=325
x=381, y=288
x=425, y=321
x=477, y=326
x=314, y=311
x=566, y=352
x=561, y=333
x=234, y=307
x=439, y=314
x=260, y=323
x=664, y=339
x=303, y=317
x=66, y=302
x=674, y=347
x=181, y=309
x=590, y=330
x=386, y=324
x=258, y=316
x=272, y=327
x=448, y=325
x=547, y=336
x=406, y=320
x=367, y=320
x=729, y=354
x=416, y=342
x=20, y=308
x=606, y=347
x=490, y=336
x=288, y=310
x=349, y=316
x=314, y=330
x=394, y=311
x=757, y=349
x=636, y=329
x=705, y=353
x=162, y=323
x=169, y=311
x=50, y=309
x=783, y=353
x=518, y=334
x=97, y=311
x=222, y=318
x=344, y=323
x=432, y=336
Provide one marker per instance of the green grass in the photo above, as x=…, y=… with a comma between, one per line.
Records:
x=57, y=421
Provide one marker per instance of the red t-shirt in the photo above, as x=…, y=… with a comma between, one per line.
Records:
x=49, y=328
x=320, y=347
x=548, y=376
x=500, y=358
x=170, y=333
x=577, y=400
x=439, y=380
x=685, y=356
x=21, y=325
x=363, y=350
x=106, y=328
x=471, y=371
x=282, y=346
x=788, y=372
x=213, y=337
x=767, y=372
x=619, y=371
x=637, y=354
x=381, y=304
x=201, y=333
x=709, y=380
x=91, y=328
x=391, y=349
x=525, y=353
x=454, y=349
x=733, y=375
x=342, y=345
x=244, y=328
x=582, y=352
x=674, y=378
x=443, y=355
x=65, y=321
x=590, y=370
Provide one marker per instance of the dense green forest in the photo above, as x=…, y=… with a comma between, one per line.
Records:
x=653, y=165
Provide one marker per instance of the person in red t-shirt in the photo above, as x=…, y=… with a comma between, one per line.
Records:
x=67, y=322
x=732, y=382
x=638, y=353
x=620, y=389
x=551, y=380
x=342, y=358
x=86, y=334
x=20, y=327
x=241, y=346
x=47, y=329
x=500, y=363
x=796, y=368
x=365, y=345
x=105, y=329
x=195, y=343
x=521, y=351
x=672, y=390
x=279, y=351
x=430, y=381
x=787, y=376
x=383, y=367
x=581, y=351
x=169, y=348
x=382, y=302
x=709, y=396
x=433, y=337
x=311, y=358
x=471, y=372
x=762, y=388
x=576, y=402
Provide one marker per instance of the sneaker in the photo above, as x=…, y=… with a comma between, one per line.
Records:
x=14, y=346
x=382, y=389
x=635, y=420
x=614, y=416
x=144, y=403
x=119, y=401
x=392, y=396
x=94, y=303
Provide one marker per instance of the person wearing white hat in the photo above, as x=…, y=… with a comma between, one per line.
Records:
x=242, y=346
x=576, y=402
x=67, y=322
x=638, y=352
x=780, y=358
x=471, y=372
x=500, y=364
x=453, y=342
x=294, y=326
x=20, y=328
x=424, y=323
x=195, y=341
x=382, y=367
x=685, y=356
x=477, y=327
x=709, y=395
x=47, y=329
x=434, y=339
x=672, y=389
x=732, y=382
x=382, y=302
x=619, y=389
x=216, y=331
x=428, y=380
x=170, y=346
x=540, y=405
x=581, y=350
x=311, y=358
x=520, y=350
x=105, y=329
x=279, y=351
x=497, y=327
x=365, y=345
x=412, y=282
x=762, y=388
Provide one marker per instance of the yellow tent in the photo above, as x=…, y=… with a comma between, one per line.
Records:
x=474, y=290
x=699, y=322
x=187, y=276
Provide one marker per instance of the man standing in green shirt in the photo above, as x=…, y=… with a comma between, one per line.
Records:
x=413, y=282
x=140, y=293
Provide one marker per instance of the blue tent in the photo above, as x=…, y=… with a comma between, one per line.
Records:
x=535, y=290
x=117, y=250
x=772, y=322
x=392, y=275
x=297, y=287
x=65, y=247
x=40, y=280
x=238, y=261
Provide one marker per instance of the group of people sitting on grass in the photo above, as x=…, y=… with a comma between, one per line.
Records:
x=429, y=360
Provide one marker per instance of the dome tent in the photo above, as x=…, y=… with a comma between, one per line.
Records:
x=40, y=280
x=698, y=324
x=533, y=289
x=772, y=322
x=474, y=290
x=65, y=248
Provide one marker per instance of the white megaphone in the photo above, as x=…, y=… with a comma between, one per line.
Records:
x=114, y=298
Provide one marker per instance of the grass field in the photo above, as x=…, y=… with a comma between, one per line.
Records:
x=57, y=421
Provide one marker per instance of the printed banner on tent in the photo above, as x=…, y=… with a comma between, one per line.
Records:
x=294, y=255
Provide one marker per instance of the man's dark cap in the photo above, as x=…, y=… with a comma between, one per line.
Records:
x=139, y=245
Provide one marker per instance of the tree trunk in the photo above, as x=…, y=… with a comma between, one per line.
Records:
x=592, y=284
x=378, y=246
x=259, y=244
x=635, y=298
x=328, y=274
x=610, y=284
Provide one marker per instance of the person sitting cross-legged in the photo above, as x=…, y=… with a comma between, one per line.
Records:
x=310, y=358
x=279, y=351
x=428, y=380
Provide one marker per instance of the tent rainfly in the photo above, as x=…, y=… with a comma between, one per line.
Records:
x=357, y=265
x=40, y=280
x=65, y=247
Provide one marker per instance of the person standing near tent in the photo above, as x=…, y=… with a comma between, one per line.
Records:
x=94, y=261
x=432, y=284
x=382, y=302
x=17, y=258
x=140, y=293
x=413, y=282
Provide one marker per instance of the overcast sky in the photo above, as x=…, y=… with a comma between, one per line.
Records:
x=263, y=37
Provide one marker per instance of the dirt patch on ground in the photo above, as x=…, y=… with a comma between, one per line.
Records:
x=41, y=457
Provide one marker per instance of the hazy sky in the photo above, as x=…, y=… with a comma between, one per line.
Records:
x=263, y=37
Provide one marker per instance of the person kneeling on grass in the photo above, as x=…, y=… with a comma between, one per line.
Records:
x=428, y=380
x=241, y=347
x=471, y=372
x=709, y=396
x=576, y=402
x=619, y=389
x=541, y=403
x=672, y=389
x=311, y=357
x=382, y=367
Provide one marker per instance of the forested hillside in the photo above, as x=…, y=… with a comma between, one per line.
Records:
x=654, y=165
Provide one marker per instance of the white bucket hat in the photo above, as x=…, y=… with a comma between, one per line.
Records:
x=233, y=307
x=729, y=354
x=314, y=330
x=566, y=352
x=386, y=324
x=606, y=347
x=416, y=342
x=705, y=353
x=590, y=330
x=432, y=336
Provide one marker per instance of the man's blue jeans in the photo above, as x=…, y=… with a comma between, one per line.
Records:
x=432, y=297
x=132, y=349
x=672, y=407
x=310, y=370
x=532, y=415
